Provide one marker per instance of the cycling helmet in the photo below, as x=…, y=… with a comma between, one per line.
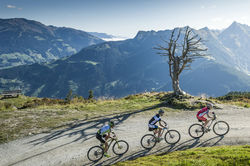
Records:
x=161, y=111
x=209, y=105
x=111, y=123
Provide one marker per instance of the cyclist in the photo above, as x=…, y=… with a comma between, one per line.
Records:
x=205, y=111
x=152, y=124
x=103, y=134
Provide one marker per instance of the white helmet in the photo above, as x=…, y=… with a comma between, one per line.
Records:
x=209, y=105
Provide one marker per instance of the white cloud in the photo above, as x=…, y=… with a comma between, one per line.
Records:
x=217, y=19
x=11, y=6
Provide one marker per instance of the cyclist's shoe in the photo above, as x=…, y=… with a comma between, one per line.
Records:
x=158, y=139
x=106, y=155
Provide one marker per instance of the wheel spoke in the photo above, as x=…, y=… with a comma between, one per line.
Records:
x=172, y=137
x=120, y=147
x=148, y=141
x=95, y=153
x=196, y=131
x=221, y=128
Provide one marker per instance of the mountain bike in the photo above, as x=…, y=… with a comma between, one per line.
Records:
x=148, y=141
x=120, y=147
x=219, y=128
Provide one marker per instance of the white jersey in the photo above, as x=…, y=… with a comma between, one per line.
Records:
x=155, y=119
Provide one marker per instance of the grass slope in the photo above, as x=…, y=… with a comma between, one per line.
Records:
x=24, y=115
x=212, y=156
x=236, y=98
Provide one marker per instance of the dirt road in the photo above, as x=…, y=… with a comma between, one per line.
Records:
x=69, y=146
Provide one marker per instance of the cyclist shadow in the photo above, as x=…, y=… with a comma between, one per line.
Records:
x=131, y=156
x=109, y=161
x=162, y=150
x=192, y=143
x=208, y=142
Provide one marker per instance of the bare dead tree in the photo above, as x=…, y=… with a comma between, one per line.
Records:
x=188, y=50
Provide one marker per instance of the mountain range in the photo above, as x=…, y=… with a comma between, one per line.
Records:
x=119, y=68
x=26, y=41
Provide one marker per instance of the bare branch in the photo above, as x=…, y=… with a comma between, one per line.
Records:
x=192, y=48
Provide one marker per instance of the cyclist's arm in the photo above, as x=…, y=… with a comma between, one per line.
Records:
x=162, y=125
x=107, y=136
x=209, y=115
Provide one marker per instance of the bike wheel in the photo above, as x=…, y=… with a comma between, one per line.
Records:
x=95, y=153
x=148, y=141
x=221, y=128
x=172, y=137
x=196, y=130
x=120, y=147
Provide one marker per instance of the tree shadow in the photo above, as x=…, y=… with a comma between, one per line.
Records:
x=76, y=129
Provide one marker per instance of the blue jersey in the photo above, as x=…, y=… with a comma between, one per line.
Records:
x=105, y=129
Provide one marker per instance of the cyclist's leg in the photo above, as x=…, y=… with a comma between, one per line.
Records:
x=159, y=132
x=105, y=143
x=204, y=120
x=153, y=128
x=99, y=137
x=156, y=130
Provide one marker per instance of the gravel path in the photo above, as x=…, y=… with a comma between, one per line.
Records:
x=69, y=146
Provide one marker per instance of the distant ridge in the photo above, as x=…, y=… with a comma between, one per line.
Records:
x=27, y=41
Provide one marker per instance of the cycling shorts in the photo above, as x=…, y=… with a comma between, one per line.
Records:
x=152, y=127
x=202, y=118
x=100, y=137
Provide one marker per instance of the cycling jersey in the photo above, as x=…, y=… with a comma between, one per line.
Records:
x=203, y=112
x=155, y=119
x=104, y=129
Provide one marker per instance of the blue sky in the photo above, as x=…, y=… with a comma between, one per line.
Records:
x=127, y=17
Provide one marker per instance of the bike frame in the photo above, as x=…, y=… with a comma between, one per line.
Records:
x=214, y=119
x=163, y=130
x=112, y=139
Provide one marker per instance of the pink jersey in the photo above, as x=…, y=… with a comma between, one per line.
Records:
x=203, y=111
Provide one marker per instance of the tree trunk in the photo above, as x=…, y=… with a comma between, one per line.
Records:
x=176, y=86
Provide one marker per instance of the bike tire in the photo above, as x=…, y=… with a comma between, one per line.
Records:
x=124, y=144
x=192, y=127
x=95, y=149
x=172, y=133
x=221, y=122
x=148, y=140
